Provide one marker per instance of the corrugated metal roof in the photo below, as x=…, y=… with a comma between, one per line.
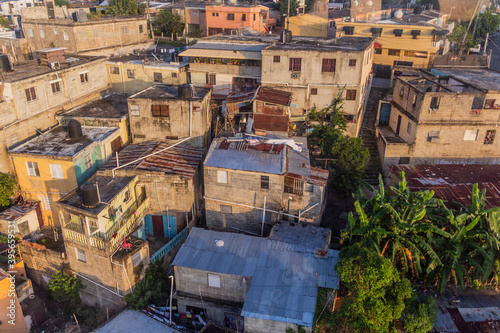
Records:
x=247, y=160
x=181, y=160
x=18, y=211
x=285, y=277
x=250, y=55
x=453, y=182
x=274, y=96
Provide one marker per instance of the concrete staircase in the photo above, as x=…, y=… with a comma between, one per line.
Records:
x=367, y=133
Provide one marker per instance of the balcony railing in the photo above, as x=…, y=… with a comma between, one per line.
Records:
x=169, y=246
x=121, y=228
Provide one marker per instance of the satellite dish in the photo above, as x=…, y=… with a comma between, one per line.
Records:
x=219, y=243
x=398, y=14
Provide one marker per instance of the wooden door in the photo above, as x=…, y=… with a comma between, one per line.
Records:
x=158, y=230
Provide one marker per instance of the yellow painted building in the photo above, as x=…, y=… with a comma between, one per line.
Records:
x=11, y=313
x=131, y=74
x=412, y=40
x=53, y=164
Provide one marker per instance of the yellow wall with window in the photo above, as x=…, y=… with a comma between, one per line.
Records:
x=420, y=50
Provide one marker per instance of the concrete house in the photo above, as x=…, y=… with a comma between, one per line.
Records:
x=447, y=117
x=230, y=19
x=171, y=112
x=226, y=63
x=172, y=180
x=34, y=92
x=317, y=70
x=58, y=161
x=133, y=73
x=193, y=13
x=98, y=220
x=70, y=28
x=26, y=216
x=255, y=284
x=111, y=110
x=251, y=183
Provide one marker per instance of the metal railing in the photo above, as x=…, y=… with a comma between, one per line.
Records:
x=170, y=245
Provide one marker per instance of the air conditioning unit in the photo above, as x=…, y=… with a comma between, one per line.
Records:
x=55, y=65
x=433, y=139
x=295, y=75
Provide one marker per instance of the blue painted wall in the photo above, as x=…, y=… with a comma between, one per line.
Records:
x=141, y=232
x=167, y=220
x=81, y=174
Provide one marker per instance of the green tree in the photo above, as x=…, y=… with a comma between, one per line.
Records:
x=377, y=292
x=4, y=22
x=487, y=24
x=309, y=4
x=419, y=316
x=61, y=3
x=283, y=4
x=124, y=7
x=457, y=38
x=65, y=289
x=349, y=157
x=153, y=289
x=8, y=187
x=167, y=22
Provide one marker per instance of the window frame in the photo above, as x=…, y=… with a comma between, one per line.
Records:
x=162, y=111
x=295, y=64
x=84, y=77
x=115, y=70
x=469, y=133
x=377, y=50
x=264, y=182
x=156, y=75
x=243, y=17
x=34, y=167
x=222, y=177
x=78, y=253
x=134, y=257
x=88, y=162
x=491, y=140
x=328, y=65
x=314, y=91
x=352, y=62
x=56, y=171
x=30, y=94
x=276, y=58
x=129, y=75
x=409, y=127
x=56, y=84
x=213, y=280
x=230, y=17
x=349, y=94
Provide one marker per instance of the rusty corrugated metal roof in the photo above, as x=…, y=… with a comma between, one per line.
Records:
x=18, y=211
x=238, y=96
x=274, y=96
x=453, y=182
x=181, y=160
x=270, y=122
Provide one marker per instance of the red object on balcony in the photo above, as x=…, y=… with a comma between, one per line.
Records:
x=126, y=245
x=377, y=45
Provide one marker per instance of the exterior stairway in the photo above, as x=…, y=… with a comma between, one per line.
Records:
x=367, y=133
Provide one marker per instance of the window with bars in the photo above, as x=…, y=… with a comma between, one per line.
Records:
x=393, y=52
x=378, y=50
x=314, y=91
x=30, y=94
x=294, y=186
x=56, y=87
x=264, y=182
x=352, y=62
x=328, y=65
x=243, y=17
x=350, y=95
x=276, y=59
x=160, y=111
x=295, y=64
x=230, y=16
x=174, y=75
x=130, y=73
x=141, y=29
x=115, y=70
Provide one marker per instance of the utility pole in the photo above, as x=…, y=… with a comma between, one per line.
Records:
x=171, y=292
x=185, y=24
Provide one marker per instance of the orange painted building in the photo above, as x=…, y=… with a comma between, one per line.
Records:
x=232, y=19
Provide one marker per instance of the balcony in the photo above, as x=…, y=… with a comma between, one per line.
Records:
x=114, y=235
x=238, y=69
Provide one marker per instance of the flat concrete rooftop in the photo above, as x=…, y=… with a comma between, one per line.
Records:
x=109, y=106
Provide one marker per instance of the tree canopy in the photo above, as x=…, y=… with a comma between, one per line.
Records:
x=328, y=136
x=61, y=3
x=65, y=289
x=124, y=7
x=283, y=5
x=4, y=21
x=167, y=22
x=425, y=238
x=8, y=186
